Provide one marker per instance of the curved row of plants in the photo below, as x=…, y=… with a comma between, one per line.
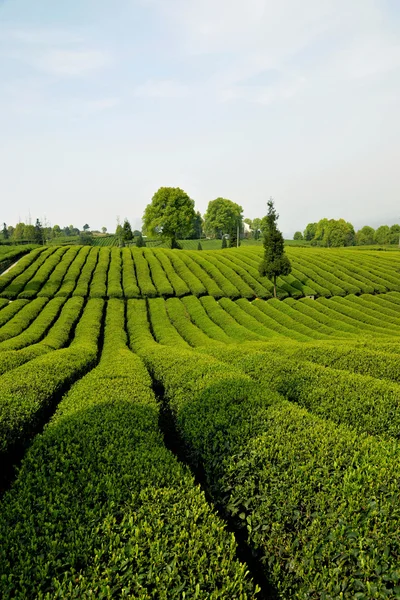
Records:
x=318, y=500
x=111, y=272
x=115, y=513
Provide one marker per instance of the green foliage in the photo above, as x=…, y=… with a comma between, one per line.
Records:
x=127, y=234
x=365, y=236
x=381, y=235
x=98, y=285
x=222, y=216
x=298, y=235
x=117, y=483
x=309, y=232
x=199, y=246
x=140, y=243
x=223, y=243
x=169, y=215
x=275, y=262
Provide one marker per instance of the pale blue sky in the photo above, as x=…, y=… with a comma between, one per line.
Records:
x=102, y=102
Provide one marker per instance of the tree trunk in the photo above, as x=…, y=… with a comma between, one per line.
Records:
x=274, y=286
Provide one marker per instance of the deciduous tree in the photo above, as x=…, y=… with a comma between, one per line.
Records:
x=223, y=216
x=169, y=215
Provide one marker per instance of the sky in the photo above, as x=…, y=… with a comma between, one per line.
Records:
x=102, y=103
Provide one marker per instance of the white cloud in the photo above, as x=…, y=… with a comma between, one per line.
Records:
x=71, y=62
x=254, y=36
x=166, y=88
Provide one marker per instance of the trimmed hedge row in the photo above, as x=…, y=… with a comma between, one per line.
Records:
x=180, y=319
x=179, y=286
x=224, y=320
x=211, y=286
x=86, y=273
x=158, y=275
x=363, y=402
x=22, y=319
x=129, y=281
x=163, y=330
x=8, y=258
x=29, y=390
x=42, y=275
x=229, y=273
x=13, y=282
x=53, y=283
x=116, y=515
x=222, y=276
x=72, y=275
x=144, y=280
x=272, y=320
x=37, y=329
x=319, y=502
x=18, y=269
x=10, y=310
x=58, y=337
x=350, y=315
x=200, y=318
x=246, y=273
x=114, y=283
x=195, y=286
x=98, y=285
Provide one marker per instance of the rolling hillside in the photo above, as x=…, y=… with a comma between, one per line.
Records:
x=181, y=434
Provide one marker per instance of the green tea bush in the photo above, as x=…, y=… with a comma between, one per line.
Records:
x=33, y=286
x=163, y=330
x=318, y=501
x=180, y=319
x=158, y=275
x=73, y=273
x=200, y=318
x=27, y=391
x=22, y=319
x=10, y=310
x=222, y=276
x=180, y=288
x=86, y=274
x=23, y=263
x=145, y=283
x=37, y=329
x=114, y=287
x=98, y=285
x=53, y=283
x=211, y=286
x=129, y=281
x=13, y=282
x=116, y=515
x=195, y=286
x=58, y=336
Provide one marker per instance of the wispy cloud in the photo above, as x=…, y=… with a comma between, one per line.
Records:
x=70, y=62
x=162, y=89
x=259, y=35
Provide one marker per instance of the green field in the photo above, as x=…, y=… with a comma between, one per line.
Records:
x=183, y=434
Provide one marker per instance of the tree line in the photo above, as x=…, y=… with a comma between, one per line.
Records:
x=338, y=232
x=40, y=234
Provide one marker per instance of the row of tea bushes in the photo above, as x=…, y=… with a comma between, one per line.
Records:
x=319, y=501
x=59, y=335
x=27, y=392
x=116, y=514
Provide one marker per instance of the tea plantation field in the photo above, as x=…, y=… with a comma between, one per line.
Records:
x=169, y=430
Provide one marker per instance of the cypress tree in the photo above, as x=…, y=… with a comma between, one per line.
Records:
x=223, y=245
x=275, y=261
